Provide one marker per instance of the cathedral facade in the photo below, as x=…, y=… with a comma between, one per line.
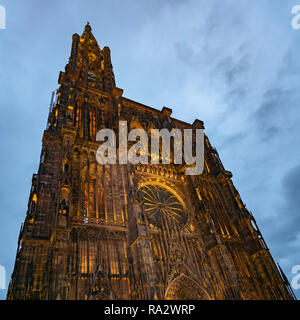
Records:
x=123, y=231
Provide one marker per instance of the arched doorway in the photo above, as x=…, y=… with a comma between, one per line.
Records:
x=185, y=288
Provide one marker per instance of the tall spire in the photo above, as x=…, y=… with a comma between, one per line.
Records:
x=87, y=33
x=88, y=64
x=88, y=28
x=88, y=25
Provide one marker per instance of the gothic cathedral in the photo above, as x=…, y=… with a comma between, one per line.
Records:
x=123, y=231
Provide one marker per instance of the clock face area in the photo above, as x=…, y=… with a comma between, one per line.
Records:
x=160, y=205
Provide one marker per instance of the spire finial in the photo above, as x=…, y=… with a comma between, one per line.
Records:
x=88, y=27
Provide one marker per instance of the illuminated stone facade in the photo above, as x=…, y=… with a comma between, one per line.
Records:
x=131, y=232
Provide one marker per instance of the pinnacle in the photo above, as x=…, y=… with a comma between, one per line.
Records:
x=88, y=27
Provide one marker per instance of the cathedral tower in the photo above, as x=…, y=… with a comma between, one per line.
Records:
x=131, y=231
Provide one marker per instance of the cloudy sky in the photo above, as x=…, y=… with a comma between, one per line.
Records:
x=233, y=64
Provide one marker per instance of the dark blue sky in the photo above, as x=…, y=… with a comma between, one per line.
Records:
x=233, y=64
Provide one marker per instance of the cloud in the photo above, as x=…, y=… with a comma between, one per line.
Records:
x=284, y=236
x=233, y=68
x=291, y=192
x=234, y=65
x=270, y=112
